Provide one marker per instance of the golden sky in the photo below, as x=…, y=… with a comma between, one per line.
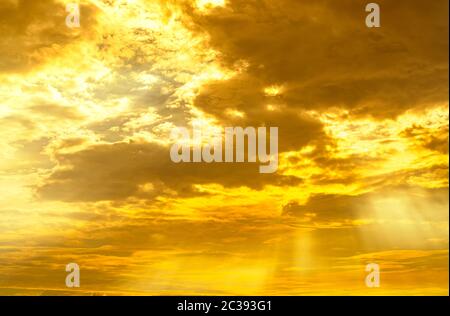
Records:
x=86, y=176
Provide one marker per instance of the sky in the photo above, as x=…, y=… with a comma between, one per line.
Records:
x=85, y=170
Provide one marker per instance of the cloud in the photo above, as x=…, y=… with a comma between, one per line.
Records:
x=118, y=171
x=245, y=95
x=424, y=137
x=86, y=174
x=385, y=203
x=325, y=56
x=32, y=32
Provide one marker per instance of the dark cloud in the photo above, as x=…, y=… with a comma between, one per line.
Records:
x=426, y=138
x=245, y=94
x=431, y=204
x=325, y=56
x=33, y=31
x=114, y=172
